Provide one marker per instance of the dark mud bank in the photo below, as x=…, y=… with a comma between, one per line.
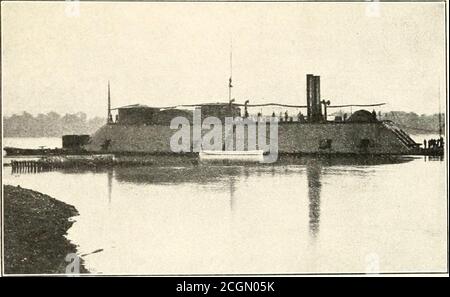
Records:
x=35, y=226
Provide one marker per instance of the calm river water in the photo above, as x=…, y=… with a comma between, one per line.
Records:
x=296, y=216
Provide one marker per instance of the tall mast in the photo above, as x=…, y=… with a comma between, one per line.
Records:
x=231, y=72
x=439, y=105
x=109, y=105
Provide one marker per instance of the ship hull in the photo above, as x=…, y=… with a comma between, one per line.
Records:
x=293, y=138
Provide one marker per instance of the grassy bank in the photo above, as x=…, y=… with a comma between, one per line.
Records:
x=34, y=229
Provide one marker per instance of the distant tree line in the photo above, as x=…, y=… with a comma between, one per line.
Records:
x=410, y=121
x=49, y=125
x=414, y=123
x=54, y=125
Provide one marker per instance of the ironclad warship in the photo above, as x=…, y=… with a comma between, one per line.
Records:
x=144, y=129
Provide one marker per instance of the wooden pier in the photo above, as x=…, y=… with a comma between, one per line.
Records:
x=31, y=166
x=61, y=162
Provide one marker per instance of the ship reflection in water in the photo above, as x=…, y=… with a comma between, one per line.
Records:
x=313, y=172
x=298, y=215
x=210, y=174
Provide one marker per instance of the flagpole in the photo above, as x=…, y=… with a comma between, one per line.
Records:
x=231, y=72
x=439, y=107
x=109, y=105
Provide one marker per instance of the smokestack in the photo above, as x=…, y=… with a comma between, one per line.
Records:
x=313, y=98
x=310, y=96
x=318, y=105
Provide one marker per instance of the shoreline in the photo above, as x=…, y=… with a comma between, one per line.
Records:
x=35, y=226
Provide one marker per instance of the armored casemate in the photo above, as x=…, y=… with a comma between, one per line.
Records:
x=145, y=129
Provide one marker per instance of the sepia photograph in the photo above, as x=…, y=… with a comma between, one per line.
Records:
x=224, y=138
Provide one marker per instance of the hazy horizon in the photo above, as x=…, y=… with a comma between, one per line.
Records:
x=163, y=54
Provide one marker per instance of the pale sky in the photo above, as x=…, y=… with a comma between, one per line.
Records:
x=163, y=54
